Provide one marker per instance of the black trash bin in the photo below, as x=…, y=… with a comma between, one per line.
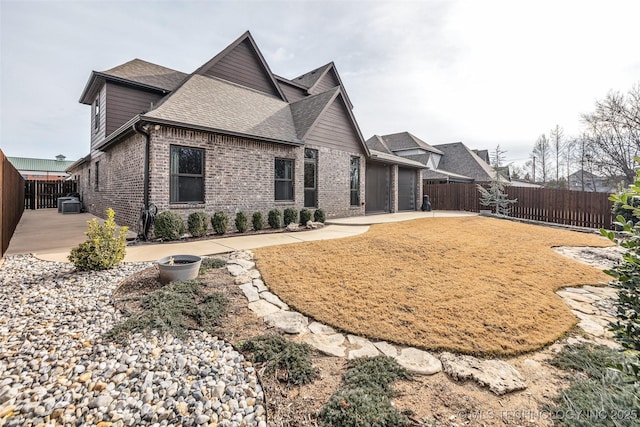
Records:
x=426, y=204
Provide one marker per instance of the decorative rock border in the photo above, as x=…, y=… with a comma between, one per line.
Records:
x=499, y=376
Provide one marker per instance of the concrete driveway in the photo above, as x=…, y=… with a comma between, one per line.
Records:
x=50, y=236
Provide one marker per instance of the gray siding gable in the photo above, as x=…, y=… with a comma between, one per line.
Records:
x=243, y=64
x=124, y=103
x=335, y=129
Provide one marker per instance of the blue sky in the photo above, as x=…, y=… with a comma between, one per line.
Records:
x=482, y=72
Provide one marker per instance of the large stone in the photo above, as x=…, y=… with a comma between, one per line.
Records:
x=497, y=375
x=263, y=308
x=236, y=270
x=367, y=349
x=582, y=307
x=294, y=226
x=273, y=299
x=246, y=264
x=581, y=297
x=259, y=284
x=418, y=361
x=290, y=322
x=321, y=329
x=254, y=274
x=328, y=344
x=386, y=348
x=250, y=292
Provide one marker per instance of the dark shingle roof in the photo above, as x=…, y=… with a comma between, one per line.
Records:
x=306, y=111
x=406, y=141
x=309, y=79
x=392, y=158
x=217, y=104
x=147, y=73
x=377, y=143
x=459, y=159
x=39, y=165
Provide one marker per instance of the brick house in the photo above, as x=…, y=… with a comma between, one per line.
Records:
x=230, y=136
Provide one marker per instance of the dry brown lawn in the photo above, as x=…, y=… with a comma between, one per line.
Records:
x=472, y=285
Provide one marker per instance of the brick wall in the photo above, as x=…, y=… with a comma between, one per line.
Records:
x=121, y=182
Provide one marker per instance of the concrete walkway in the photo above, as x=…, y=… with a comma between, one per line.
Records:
x=50, y=236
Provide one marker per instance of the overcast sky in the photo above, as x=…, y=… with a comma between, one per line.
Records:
x=477, y=71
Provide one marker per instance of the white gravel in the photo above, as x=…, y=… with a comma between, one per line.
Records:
x=56, y=368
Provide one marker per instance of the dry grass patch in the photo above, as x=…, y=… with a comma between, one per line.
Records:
x=473, y=285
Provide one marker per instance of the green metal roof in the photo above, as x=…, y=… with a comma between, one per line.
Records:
x=39, y=165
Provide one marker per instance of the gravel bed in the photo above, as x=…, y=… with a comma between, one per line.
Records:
x=56, y=368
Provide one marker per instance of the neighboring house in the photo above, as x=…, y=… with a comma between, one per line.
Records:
x=230, y=136
x=41, y=169
x=520, y=183
x=453, y=162
x=583, y=180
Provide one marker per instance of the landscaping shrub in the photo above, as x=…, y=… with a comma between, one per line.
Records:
x=197, y=224
x=290, y=215
x=174, y=308
x=290, y=359
x=627, y=273
x=609, y=394
x=275, y=219
x=319, y=216
x=364, y=399
x=242, y=222
x=220, y=222
x=627, y=214
x=257, y=221
x=305, y=216
x=102, y=249
x=168, y=225
x=211, y=263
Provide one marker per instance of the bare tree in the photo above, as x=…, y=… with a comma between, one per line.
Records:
x=613, y=132
x=556, y=136
x=541, y=156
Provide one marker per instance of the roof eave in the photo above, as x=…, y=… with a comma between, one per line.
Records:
x=96, y=76
x=159, y=121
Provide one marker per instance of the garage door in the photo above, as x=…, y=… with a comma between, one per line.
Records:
x=377, y=188
x=406, y=189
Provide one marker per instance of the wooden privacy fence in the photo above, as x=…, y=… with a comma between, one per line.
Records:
x=577, y=208
x=44, y=194
x=11, y=201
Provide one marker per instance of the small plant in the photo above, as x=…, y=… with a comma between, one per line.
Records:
x=211, y=263
x=257, y=221
x=319, y=216
x=197, y=224
x=242, y=222
x=364, y=399
x=607, y=396
x=168, y=225
x=286, y=359
x=275, y=219
x=305, y=216
x=102, y=249
x=220, y=222
x=290, y=215
x=175, y=308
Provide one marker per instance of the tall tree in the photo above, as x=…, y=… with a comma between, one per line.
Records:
x=613, y=132
x=541, y=156
x=556, y=136
x=498, y=157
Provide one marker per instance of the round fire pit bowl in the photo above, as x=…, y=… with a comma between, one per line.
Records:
x=179, y=268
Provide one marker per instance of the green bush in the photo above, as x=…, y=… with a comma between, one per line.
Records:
x=359, y=407
x=305, y=216
x=627, y=214
x=197, y=224
x=211, y=263
x=257, y=221
x=168, y=226
x=102, y=249
x=275, y=219
x=291, y=359
x=290, y=215
x=220, y=222
x=627, y=273
x=364, y=399
x=319, y=216
x=242, y=222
